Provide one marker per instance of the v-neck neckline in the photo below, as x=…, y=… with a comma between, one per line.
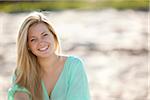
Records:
x=61, y=74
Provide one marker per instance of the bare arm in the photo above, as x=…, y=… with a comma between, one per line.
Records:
x=21, y=96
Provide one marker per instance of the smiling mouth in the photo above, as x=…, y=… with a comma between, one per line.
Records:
x=43, y=49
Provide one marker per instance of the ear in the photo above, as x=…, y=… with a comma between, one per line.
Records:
x=29, y=49
x=28, y=46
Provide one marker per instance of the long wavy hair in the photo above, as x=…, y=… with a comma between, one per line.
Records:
x=28, y=71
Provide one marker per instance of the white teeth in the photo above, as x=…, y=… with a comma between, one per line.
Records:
x=42, y=49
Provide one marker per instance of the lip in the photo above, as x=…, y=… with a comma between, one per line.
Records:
x=43, y=49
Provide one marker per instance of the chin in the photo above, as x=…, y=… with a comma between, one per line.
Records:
x=44, y=55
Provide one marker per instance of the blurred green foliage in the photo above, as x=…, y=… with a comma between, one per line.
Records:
x=40, y=5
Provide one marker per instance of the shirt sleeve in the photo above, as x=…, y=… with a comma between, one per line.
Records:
x=78, y=84
x=16, y=88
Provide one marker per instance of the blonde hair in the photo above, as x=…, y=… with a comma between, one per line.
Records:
x=28, y=71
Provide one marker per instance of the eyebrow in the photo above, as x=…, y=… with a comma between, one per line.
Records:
x=40, y=34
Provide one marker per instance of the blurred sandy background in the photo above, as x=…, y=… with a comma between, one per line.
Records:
x=113, y=44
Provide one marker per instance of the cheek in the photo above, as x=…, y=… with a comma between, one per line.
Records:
x=52, y=41
x=32, y=46
x=54, y=44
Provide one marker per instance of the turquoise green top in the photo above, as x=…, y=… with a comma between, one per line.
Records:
x=71, y=85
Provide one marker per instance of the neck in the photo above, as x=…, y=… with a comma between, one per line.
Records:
x=48, y=63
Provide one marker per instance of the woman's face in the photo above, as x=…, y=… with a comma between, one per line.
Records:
x=41, y=40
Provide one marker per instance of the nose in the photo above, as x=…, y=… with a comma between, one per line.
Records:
x=41, y=42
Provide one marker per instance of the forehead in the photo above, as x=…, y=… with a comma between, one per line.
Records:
x=37, y=29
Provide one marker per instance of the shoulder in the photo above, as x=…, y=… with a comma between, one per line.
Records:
x=75, y=59
x=72, y=59
x=74, y=63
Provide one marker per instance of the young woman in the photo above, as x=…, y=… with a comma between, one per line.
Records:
x=42, y=73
